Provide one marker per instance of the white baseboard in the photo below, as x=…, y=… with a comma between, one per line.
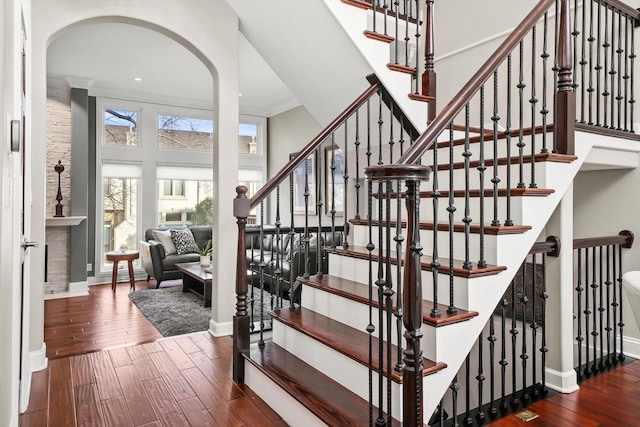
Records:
x=220, y=329
x=37, y=362
x=563, y=382
x=631, y=347
x=78, y=286
x=67, y=294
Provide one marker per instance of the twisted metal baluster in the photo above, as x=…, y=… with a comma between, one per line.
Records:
x=451, y=209
x=482, y=263
x=583, y=64
x=524, y=356
x=598, y=66
x=503, y=355
x=508, y=221
x=533, y=101
x=605, y=45
x=495, y=118
x=591, y=41
x=467, y=420
x=467, y=219
x=579, y=338
x=515, y=400
x=492, y=410
x=480, y=416
x=534, y=326
x=619, y=51
x=435, y=261
x=608, y=285
x=521, y=144
x=357, y=148
x=545, y=108
x=370, y=327
x=587, y=314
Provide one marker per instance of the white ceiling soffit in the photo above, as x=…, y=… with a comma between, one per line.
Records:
x=107, y=58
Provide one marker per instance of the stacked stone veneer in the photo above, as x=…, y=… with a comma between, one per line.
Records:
x=58, y=148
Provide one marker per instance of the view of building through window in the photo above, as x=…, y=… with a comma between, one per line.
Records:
x=183, y=202
x=120, y=204
x=247, y=138
x=120, y=127
x=184, y=133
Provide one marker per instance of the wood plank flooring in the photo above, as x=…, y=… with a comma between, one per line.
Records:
x=109, y=367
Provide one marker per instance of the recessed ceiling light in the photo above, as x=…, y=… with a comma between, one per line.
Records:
x=138, y=79
x=239, y=94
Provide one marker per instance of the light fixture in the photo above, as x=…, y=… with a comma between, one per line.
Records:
x=138, y=79
x=239, y=94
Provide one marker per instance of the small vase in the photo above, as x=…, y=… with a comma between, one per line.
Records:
x=204, y=260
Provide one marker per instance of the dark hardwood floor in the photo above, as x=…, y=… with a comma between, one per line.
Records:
x=110, y=367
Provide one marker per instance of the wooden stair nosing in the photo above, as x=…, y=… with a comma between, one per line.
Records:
x=401, y=68
x=359, y=292
x=420, y=97
x=344, y=339
x=378, y=36
x=325, y=398
x=362, y=253
x=538, y=158
x=492, y=230
x=488, y=135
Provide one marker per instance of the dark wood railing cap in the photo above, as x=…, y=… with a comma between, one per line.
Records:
x=624, y=238
x=241, y=204
x=398, y=172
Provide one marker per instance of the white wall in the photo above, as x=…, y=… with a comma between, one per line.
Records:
x=210, y=31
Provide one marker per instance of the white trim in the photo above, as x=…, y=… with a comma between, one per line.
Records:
x=67, y=294
x=562, y=382
x=38, y=359
x=631, y=347
x=78, y=286
x=223, y=329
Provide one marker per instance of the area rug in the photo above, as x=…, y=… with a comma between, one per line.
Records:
x=172, y=311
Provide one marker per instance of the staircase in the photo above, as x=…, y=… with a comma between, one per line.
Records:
x=433, y=236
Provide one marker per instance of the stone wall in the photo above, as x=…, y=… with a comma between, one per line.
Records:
x=58, y=148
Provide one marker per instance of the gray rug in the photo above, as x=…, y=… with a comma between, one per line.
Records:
x=172, y=311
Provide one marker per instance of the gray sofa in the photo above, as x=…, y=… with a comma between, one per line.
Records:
x=162, y=266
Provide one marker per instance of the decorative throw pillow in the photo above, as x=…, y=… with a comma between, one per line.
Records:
x=183, y=240
x=164, y=237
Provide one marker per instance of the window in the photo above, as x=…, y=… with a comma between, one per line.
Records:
x=247, y=138
x=195, y=206
x=184, y=133
x=120, y=189
x=120, y=127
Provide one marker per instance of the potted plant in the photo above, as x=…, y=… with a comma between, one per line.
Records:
x=205, y=253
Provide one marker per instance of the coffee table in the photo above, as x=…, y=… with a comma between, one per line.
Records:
x=197, y=279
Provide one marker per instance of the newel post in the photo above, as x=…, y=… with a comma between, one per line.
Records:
x=412, y=392
x=241, y=209
x=429, y=75
x=566, y=100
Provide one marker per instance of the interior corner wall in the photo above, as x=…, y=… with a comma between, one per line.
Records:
x=91, y=190
x=79, y=184
x=604, y=204
x=288, y=132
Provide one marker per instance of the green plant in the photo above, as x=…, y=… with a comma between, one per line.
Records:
x=206, y=251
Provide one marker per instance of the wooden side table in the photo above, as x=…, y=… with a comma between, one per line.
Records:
x=117, y=256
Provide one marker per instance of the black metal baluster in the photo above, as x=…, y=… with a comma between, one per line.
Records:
x=304, y=241
x=607, y=313
x=279, y=251
x=534, y=326
x=556, y=71
x=508, y=221
x=544, y=296
x=391, y=141
x=613, y=71
x=598, y=66
x=407, y=39
x=594, y=331
x=399, y=239
x=495, y=118
x=632, y=57
x=357, y=148
x=545, y=108
x=320, y=204
x=579, y=290
x=467, y=420
x=370, y=327
x=521, y=85
x=417, y=63
x=396, y=39
x=605, y=46
x=480, y=415
x=385, y=15
x=454, y=387
x=591, y=41
x=621, y=322
x=451, y=209
x=467, y=219
x=503, y=355
x=345, y=187
x=533, y=101
x=575, y=33
x=626, y=73
x=332, y=211
x=263, y=265
x=523, y=355
x=583, y=64
x=482, y=263
x=291, y=235
x=375, y=6
x=619, y=51
x=388, y=294
x=435, y=261
x=492, y=410
x=601, y=309
x=380, y=283
x=368, y=153
x=515, y=401
x=614, y=305
x=380, y=127
x=587, y=314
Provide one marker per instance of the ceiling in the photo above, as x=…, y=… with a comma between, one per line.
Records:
x=107, y=58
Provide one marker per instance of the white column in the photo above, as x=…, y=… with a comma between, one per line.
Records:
x=560, y=372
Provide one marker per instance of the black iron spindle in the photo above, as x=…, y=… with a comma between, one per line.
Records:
x=380, y=282
x=508, y=221
x=606, y=70
x=544, y=112
x=598, y=66
x=399, y=239
x=591, y=41
x=492, y=410
x=454, y=387
x=579, y=290
x=533, y=101
x=417, y=37
x=388, y=293
x=583, y=64
x=632, y=57
x=345, y=187
x=480, y=415
x=612, y=71
x=435, y=261
x=594, y=330
x=627, y=34
x=587, y=314
x=619, y=52
x=601, y=309
x=614, y=304
x=521, y=144
x=357, y=148
x=608, y=297
x=467, y=208
x=467, y=420
x=621, y=317
x=370, y=327
x=320, y=206
x=482, y=263
x=503, y=355
x=515, y=400
x=495, y=180
x=451, y=209
x=534, y=325
x=524, y=356
x=543, y=299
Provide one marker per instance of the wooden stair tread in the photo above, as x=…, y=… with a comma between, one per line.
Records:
x=457, y=227
x=378, y=36
x=331, y=402
x=362, y=253
x=538, y=158
x=359, y=292
x=349, y=341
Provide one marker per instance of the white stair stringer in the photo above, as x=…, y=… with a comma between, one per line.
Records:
x=354, y=20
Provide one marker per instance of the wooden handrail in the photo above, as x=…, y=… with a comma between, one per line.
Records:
x=624, y=238
x=623, y=7
x=443, y=120
x=326, y=132
x=551, y=247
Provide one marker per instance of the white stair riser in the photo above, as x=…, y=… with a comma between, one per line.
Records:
x=356, y=315
x=358, y=270
x=340, y=368
x=292, y=411
x=361, y=238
